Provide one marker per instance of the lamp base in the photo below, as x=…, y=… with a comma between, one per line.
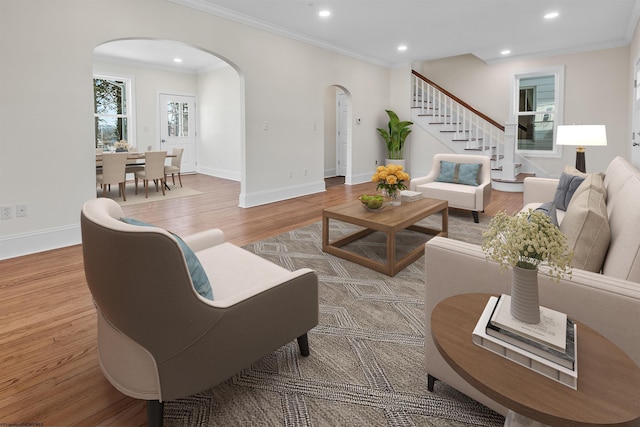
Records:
x=580, y=162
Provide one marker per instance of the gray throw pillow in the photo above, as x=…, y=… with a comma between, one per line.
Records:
x=549, y=209
x=567, y=185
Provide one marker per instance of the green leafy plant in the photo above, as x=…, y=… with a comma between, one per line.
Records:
x=395, y=135
x=527, y=240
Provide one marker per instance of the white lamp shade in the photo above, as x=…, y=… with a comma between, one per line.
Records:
x=581, y=135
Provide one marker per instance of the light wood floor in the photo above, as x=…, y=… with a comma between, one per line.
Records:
x=49, y=372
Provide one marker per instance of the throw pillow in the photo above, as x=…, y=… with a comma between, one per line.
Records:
x=549, y=209
x=586, y=227
x=592, y=181
x=459, y=173
x=567, y=185
x=196, y=271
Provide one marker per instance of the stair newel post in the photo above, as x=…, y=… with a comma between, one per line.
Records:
x=508, y=163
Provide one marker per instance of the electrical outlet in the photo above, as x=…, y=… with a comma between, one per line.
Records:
x=21, y=211
x=6, y=212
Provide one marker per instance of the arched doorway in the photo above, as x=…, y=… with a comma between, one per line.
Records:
x=160, y=67
x=337, y=133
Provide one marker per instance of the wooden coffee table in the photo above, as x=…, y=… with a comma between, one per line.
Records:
x=389, y=221
x=608, y=380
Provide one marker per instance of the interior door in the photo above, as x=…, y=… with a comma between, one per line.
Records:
x=342, y=137
x=178, y=127
x=635, y=133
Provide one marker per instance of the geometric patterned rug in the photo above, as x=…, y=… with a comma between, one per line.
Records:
x=366, y=366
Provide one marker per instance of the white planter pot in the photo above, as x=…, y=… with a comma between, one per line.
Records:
x=401, y=162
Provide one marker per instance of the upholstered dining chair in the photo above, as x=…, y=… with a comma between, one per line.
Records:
x=159, y=338
x=174, y=167
x=153, y=170
x=113, y=172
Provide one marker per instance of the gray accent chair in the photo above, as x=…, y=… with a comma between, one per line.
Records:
x=158, y=339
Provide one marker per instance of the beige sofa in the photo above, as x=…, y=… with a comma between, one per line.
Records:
x=608, y=302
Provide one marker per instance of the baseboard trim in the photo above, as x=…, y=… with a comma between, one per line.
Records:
x=39, y=241
x=248, y=200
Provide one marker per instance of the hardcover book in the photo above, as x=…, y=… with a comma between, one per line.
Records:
x=517, y=354
x=550, y=332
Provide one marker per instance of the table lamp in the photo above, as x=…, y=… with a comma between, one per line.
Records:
x=581, y=136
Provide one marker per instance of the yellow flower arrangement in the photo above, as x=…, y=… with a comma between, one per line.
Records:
x=390, y=178
x=527, y=240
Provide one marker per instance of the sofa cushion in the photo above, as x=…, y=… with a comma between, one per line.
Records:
x=567, y=185
x=196, y=271
x=458, y=196
x=623, y=258
x=586, y=227
x=459, y=173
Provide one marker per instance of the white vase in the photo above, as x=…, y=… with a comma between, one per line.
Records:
x=525, y=303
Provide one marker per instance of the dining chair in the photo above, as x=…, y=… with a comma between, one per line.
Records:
x=113, y=172
x=153, y=170
x=174, y=168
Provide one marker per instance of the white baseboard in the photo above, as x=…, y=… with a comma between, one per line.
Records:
x=220, y=173
x=38, y=241
x=258, y=198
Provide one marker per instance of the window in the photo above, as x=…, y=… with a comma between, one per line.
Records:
x=112, y=110
x=537, y=109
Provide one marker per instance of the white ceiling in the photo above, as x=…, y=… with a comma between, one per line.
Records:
x=373, y=29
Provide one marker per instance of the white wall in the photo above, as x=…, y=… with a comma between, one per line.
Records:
x=597, y=86
x=330, y=124
x=219, y=123
x=46, y=109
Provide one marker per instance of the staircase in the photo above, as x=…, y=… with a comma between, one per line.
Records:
x=465, y=130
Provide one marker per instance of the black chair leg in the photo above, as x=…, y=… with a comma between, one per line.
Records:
x=303, y=343
x=475, y=217
x=431, y=382
x=155, y=413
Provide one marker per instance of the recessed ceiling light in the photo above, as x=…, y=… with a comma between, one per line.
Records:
x=177, y=60
x=324, y=13
x=402, y=48
x=551, y=15
x=505, y=52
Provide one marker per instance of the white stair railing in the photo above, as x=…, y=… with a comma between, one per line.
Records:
x=479, y=132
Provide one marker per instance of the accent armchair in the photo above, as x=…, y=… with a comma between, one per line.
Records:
x=462, y=185
x=158, y=338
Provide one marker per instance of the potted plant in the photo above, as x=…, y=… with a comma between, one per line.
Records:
x=395, y=136
x=525, y=241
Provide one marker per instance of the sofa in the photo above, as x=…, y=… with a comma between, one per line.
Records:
x=463, y=180
x=607, y=298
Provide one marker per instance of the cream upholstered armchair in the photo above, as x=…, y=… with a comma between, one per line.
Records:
x=462, y=183
x=158, y=338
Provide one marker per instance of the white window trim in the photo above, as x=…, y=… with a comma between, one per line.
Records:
x=131, y=116
x=558, y=72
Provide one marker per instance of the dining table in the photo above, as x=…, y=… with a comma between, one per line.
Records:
x=137, y=159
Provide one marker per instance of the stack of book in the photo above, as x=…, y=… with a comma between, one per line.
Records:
x=548, y=347
x=410, y=196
